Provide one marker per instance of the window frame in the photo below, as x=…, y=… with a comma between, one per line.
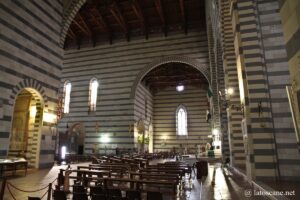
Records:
x=178, y=132
x=93, y=102
x=67, y=97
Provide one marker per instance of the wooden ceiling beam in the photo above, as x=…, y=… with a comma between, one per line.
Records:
x=84, y=28
x=183, y=15
x=71, y=34
x=118, y=15
x=174, y=76
x=97, y=14
x=161, y=13
x=191, y=81
x=140, y=15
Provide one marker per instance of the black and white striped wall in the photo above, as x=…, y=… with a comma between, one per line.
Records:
x=264, y=73
x=165, y=104
x=119, y=68
x=30, y=58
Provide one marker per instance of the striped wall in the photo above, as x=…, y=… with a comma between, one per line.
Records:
x=214, y=32
x=143, y=110
x=263, y=70
x=165, y=103
x=117, y=67
x=278, y=77
x=30, y=56
x=235, y=136
x=289, y=12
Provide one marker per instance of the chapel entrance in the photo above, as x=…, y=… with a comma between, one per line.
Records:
x=26, y=126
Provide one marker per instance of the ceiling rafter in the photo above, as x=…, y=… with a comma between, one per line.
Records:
x=161, y=13
x=118, y=15
x=183, y=15
x=102, y=22
x=140, y=15
x=83, y=27
x=175, y=82
x=71, y=34
x=135, y=18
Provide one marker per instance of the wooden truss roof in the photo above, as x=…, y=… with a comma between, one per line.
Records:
x=101, y=21
x=173, y=74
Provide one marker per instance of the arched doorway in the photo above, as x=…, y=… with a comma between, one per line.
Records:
x=26, y=126
x=73, y=140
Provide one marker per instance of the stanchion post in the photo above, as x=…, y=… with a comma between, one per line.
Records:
x=2, y=189
x=49, y=191
x=60, y=178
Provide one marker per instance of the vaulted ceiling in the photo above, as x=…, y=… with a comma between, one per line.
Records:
x=100, y=21
x=173, y=74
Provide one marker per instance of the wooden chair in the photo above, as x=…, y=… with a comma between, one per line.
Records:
x=96, y=190
x=34, y=198
x=114, y=193
x=154, y=196
x=79, y=189
x=59, y=195
x=133, y=195
x=80, y=196
x=98, y=197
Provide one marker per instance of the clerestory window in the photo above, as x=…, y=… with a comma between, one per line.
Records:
x=181, y=121
x=93, y=94
x=67, y=96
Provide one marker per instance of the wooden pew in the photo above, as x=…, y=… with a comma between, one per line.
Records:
x=163, y=171
x=85, y=175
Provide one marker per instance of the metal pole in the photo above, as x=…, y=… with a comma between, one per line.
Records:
x=2, y=189
x=49, y=191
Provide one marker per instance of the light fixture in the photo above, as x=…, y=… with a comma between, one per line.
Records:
x=180, y=88
x=32, y=111
x=164, y=137
x=49, y=117
x=225, y=100
x=230, y=91
x=215, y=131
x=63, y=152
x=104, y=139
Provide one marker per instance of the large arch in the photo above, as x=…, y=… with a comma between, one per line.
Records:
x=169, y=59
x=68, y=17
x=136, y=90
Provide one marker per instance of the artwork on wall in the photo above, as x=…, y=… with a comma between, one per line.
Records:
x=18, y=133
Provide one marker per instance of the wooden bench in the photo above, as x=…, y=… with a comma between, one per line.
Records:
x=87, y=177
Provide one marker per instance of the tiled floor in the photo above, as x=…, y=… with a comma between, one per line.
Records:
x=219, y=184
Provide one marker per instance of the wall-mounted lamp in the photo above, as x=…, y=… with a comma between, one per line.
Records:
x=105, y=139
x=230, y=91
x=215, y=131
x=32, y=111
x=49, y=117
x=225, y=99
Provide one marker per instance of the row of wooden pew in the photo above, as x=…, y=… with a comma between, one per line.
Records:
x=126, y=174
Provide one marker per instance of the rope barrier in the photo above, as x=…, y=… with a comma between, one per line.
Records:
x=28, y=191
x=53, y=180
x=44, y=194
x=8, y=188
